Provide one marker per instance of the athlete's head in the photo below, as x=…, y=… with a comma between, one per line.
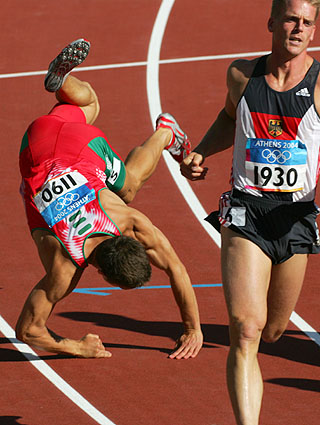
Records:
x=123, y=261
x=278, y=6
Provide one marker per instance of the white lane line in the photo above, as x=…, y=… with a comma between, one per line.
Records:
x=145, y=63
x=52, y=376
x=153, y=93
x=154, y=99
x=305, y=327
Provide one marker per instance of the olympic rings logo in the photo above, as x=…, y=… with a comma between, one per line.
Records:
x=272, y=156
x=66, y=200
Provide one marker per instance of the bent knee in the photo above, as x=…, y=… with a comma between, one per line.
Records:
x=129, y=189
x=127, y=194
x=272, y=334
x=20, y=333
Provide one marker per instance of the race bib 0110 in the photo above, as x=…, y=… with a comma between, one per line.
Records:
x=63, y=195
x=275, y=165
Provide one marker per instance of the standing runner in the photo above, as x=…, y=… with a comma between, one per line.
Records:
x=267, y=220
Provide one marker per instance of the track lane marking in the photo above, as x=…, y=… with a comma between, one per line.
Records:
x=145, y=63
x=103, y=291
x=52, y=376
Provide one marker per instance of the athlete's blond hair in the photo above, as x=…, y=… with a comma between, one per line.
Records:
x=278, y=5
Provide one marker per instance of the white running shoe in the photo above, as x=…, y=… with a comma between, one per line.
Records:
x=179, y=146
x=71, y=56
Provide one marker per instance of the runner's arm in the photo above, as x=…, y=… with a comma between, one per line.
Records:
x=61, y=278
x=220, y=135
x=163, y=256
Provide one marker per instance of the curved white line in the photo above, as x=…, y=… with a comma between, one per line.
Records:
x=155, y=109
x=52, y=376
x=153, y=93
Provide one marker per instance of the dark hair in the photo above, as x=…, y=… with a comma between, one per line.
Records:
x=123, y=261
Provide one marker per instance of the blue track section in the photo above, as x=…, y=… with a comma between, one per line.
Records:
x=106, y=290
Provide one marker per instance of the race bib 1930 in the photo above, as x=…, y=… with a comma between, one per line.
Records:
x=276, y=165
x=62, y=195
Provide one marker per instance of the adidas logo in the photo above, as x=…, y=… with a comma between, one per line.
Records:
x=303, y=92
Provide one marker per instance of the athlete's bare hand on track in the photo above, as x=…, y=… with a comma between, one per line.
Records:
x=91, y=346
x=191, y=167
x=188, y=345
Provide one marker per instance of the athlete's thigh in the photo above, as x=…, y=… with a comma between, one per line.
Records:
x=285, y=286
x=246, y=274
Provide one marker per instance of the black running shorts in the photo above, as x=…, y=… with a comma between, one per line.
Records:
x=280, y=229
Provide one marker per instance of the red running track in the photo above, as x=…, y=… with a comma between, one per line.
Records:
x=139, y=385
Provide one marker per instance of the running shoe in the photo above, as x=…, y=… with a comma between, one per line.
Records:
x=179, y=146
x=71, y=56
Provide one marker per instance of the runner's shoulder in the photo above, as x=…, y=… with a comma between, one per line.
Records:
x=241, y=70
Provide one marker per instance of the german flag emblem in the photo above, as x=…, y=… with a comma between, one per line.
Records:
x=275, y=128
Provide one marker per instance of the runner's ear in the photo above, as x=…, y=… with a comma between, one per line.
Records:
x=270, y=24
